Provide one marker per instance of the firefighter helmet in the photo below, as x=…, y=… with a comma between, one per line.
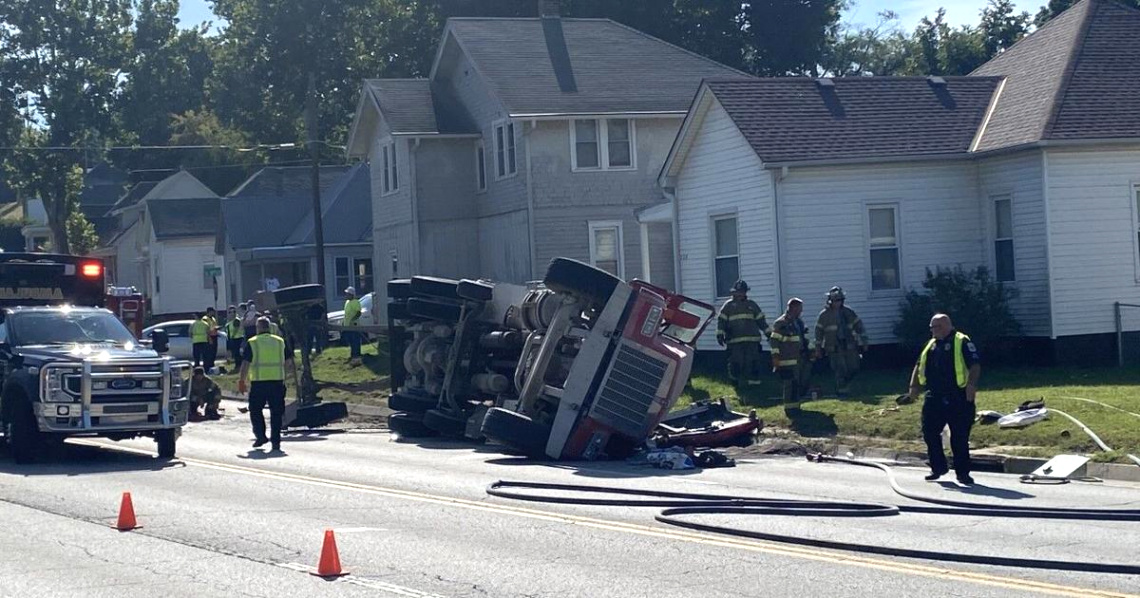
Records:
x=835, y=294
x=740, y=287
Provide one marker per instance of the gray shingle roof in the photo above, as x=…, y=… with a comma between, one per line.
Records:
x=347, y=213
x=1078, y=77
x=794, y=119
x=287, y=181
x=177, y=218
x=406, y=104
x=614, y=68
x=133, y=195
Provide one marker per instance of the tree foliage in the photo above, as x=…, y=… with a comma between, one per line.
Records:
x=979, y=307
x=1056, y=7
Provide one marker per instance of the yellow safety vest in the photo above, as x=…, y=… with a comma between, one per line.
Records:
x=960, y=371
x=200, y=331
x=234, y=330
x=268, y=358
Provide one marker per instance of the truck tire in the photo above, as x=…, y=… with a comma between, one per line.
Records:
x=445, y=423
x=304, y=294
x=409, y=425
x=430, y=309
x=25, y=440
x=516, y=431
x=167, y=441
x=399, y=289
x=412, y=401
x=582, y=280
x=432, y=286
x=474, y=290
x=398, y=311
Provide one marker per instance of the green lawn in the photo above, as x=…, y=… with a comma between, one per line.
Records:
x=365, y=384
x=867, y=414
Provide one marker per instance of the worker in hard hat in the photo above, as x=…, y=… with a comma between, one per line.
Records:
x=791, y=357
x=738, y=328
x=839, y=334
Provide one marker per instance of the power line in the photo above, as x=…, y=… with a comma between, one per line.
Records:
x=264, y=146
x=254, y=165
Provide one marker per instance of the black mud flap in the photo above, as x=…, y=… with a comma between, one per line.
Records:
x=318, y=415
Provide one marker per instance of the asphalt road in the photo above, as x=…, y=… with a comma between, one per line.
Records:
x=414, y=520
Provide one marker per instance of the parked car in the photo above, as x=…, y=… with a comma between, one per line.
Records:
x=178, y=331
x=336, y=318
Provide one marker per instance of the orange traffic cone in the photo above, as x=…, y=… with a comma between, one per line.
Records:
x=126, y=514
x=329, y=565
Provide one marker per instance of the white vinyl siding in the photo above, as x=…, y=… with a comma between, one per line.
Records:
x=1093, y=232
x=883, y=247
x=603, y=144
x=723, y=175
x=726, y=254
x=606, y=247
x=506, y=160
x=1004, y=261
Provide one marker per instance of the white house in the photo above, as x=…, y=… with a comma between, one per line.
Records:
x=185, y=275
x=1030, y=166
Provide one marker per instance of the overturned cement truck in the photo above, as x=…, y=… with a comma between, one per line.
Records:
x=582, y=365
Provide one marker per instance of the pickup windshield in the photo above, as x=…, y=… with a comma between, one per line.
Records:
x=65, y=328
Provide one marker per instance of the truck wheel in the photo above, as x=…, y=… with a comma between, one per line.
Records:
x=23, y=435
x=445, y=423
x=399, y=289
x=474, y=290
x=431, y=309
x=516, y=431
x=167, y=443
x=409, y=425
x=582, y=280
x=412, y=401
x=301, y=294
x=431, y=286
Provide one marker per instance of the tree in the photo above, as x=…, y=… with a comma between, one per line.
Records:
x=70, y=55
x=978, y=305
x=1001, y=28
x=789, y=38
x=881, y=50
x=1056, y=7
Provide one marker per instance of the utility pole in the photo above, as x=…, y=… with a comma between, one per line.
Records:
x=311, y=124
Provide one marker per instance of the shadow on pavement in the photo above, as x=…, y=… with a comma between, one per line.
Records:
x=72, y=460
x=596, y=469
x=981, y=490
x=813, y=424
x=260, y=455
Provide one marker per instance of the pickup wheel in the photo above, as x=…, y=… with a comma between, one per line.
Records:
x=167, y=443
x=24, y=438
x=581, y=280
x=516, y=431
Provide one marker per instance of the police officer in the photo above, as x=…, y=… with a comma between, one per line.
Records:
x=265, y=358
x=211, y=338
x=840, y=335
x=235, y=335
x=738, y=328
x=791, y=358
x=949, y=367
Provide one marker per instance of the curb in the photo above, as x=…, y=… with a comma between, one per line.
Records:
x=1005, y=463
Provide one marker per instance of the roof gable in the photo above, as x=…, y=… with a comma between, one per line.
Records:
x=796, y=119
x=184, y=217
x=582, y=66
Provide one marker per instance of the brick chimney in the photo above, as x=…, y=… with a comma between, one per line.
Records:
x=549, y=8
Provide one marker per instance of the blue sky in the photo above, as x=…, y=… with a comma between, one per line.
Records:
x=958, y=12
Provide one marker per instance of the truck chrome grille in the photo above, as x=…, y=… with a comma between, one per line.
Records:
x=629, y=390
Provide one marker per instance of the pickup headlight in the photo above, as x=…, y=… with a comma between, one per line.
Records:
x=179, y=379
x=53, y=384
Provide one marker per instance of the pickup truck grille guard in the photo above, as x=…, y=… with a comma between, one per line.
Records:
x=146, y=408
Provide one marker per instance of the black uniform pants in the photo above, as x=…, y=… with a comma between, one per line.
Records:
x=211, y=353
x=948, y=409
x=264, y=393
x=201, y=351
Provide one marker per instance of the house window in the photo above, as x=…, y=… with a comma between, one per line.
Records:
x=606, y=247
x=726, y=254
x=391, y=181
x=884, y=248
x=481, y=166
x=1003, y=238
x=602, y=144
x=506, y=162
x=356, y=273
x=1136, y=225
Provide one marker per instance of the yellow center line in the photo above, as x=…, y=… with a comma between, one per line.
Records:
x=656, y=532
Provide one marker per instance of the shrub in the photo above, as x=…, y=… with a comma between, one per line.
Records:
x=978, y=305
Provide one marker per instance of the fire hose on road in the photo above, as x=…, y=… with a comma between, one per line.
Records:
x=679, y=505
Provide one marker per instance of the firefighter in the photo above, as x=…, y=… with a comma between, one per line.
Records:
x=791, y=357
x=949, y=367
x=263, y=377
x=211, y=338
x=738, y=328
x=204, y=392
x=839, y=334
x=235, y=334
x=200, y=338
x=352, y=318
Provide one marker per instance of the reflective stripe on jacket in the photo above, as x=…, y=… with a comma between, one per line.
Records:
x=827, y=333
x=787, y=341
x=234, y=330
x=268, y=358
x=741, y=322
x=960, y=370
